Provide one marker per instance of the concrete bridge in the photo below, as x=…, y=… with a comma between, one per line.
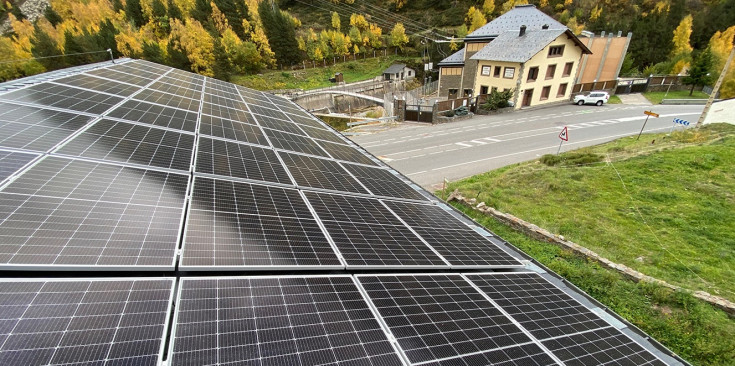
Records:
x=339, y=92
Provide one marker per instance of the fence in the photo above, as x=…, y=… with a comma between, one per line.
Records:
x=310, y=64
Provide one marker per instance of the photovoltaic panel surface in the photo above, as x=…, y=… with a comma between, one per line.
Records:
x=368, y=235
x=118, y=75
x=11, y=162
x=262, y=321
x=320, y=173
x=241, y=161
x=440, y=317
x=383, y=183
x=128, y=143
x=320, y=134
x=279, y=125
x=65, y=97
x=67, y=213
x=346, y=153
x=232, y=130
x=227, y=113
x=36, y=129
x=570, y=330
x=242, y=226
x=169, y=85
x=99, y=84
x=83, y=322
x=170, y=100
x=456, y=242
x=133, y=110
x=295, y=143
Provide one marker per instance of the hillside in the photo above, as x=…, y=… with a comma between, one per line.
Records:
x=223, y=38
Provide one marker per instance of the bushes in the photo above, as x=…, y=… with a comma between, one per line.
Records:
x=496, y=100
x=573, y=158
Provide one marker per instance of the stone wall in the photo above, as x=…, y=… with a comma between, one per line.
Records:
x=32, y=9
x=544, y=235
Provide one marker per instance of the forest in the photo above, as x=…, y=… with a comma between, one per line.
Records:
x=221, y=38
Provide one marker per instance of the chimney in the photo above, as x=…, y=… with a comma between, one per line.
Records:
x=523, y=31
x=545, y=26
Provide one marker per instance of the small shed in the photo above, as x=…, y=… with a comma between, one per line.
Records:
x=399, y=72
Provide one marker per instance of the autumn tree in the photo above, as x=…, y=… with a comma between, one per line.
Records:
x=700, y=74
x=681, y=37
x=475, y=19
x=398, y=37
x=510, y=4
x=721, y=44
x=488, y=8
x=336, y=24
x=196, y=43
x=235, y=11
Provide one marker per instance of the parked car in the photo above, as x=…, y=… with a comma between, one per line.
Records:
x=596, y=97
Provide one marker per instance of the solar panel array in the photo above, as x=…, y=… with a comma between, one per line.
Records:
x=121, y=168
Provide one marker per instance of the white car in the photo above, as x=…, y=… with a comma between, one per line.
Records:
x=596, y=97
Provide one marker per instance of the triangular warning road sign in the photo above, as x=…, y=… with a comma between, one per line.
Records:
x=563, y=134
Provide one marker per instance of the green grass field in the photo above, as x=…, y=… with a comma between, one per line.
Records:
x=666, y=209
x=313, y=78
x=657, y=97
x=693, y=329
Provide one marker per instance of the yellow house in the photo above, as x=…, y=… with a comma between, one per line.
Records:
x=539, y=65
x=524, y=50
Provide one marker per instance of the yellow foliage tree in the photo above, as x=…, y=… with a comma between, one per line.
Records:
x=488, y=7
x=398, y=37
x=359, y=21
x=219, y=19
x=575, y=27
x=681, y=37
x=198, y=45
x=595, y=13
x=129, y=41
x=398, y=3
x=720, y=44
x=475, y=19
x=89, y=14
x=512, y=3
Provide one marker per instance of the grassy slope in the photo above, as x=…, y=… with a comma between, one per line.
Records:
x=699, y=333
x=657, y=97
x=319, y=77
x=674, y=217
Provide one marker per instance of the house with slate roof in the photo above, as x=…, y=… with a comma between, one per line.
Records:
x=524, y=50
x=399, y=72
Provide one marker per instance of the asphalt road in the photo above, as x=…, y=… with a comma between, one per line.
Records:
x=428, y=154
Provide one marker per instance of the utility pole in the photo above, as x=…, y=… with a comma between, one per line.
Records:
x=717, y=87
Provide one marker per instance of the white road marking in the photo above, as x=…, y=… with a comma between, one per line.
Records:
x=462, y=144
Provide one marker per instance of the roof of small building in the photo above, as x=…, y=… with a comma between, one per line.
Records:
x=394, y=68
x=520, y=15
x=510, y=47
x=456, y=58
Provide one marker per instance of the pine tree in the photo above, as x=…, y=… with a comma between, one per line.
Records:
x=281, y=34
x=202, y=11
x=43, y=46
x=15, y=10
x=105, y=37
x=159, y=18
x=235, y=11
x=700, y=72
x=134, y=12
x=173, y=11
x=117, y=5
x=52, y=16
x=152, y=52
x=222, y=67
x=176, y=57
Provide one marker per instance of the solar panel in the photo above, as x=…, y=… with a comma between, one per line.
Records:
x=368, y=235
x=569, y=329
x=136, y=111
x=383, y=183
x=170, y=100
x=442, y=318
x=242, y=226
x=320, y=173
x=118, y=75
x=228, y=113
x=270, y=112
x=295, y=143
x=138, y=69
x=456, y=242
x=36, y=129
x=232, y=130
x=192, y=90
x=84, y=321
x=320, y=134
x=308, y=121
x=279, y=125
x=346, y=153
x=262, y=321
x=127, y=143
x=228, y=100
x=99, y=84
x=241, y=161
x=76, y=214
x=60, y=96
x=11, y=162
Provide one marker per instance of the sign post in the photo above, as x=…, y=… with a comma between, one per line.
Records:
x=563, y=136
x=648, y=114
x=680, y=122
